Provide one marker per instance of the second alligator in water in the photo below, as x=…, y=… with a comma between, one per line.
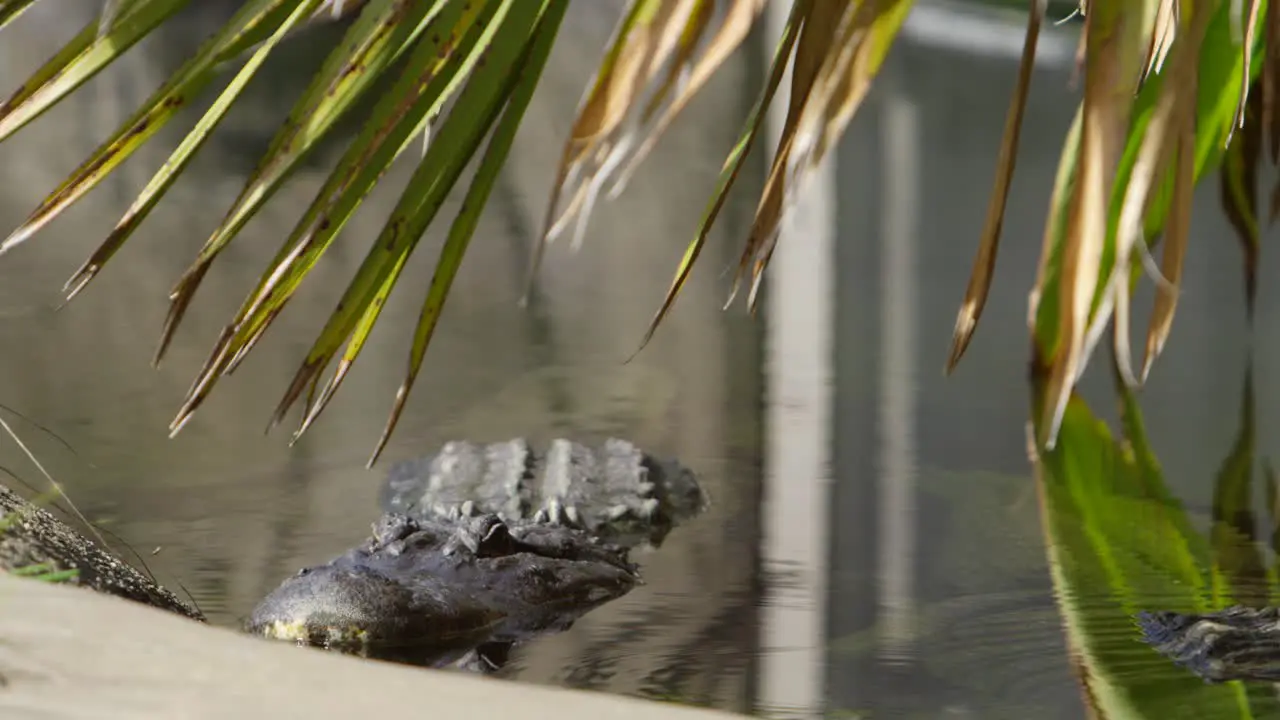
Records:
x=1238, y=643
x=482, y=547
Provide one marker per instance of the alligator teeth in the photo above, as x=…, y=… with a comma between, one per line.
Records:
x=648, y=507
x=553, y=512
x=618, y=511
x=571, y=512
x=540, y=516
x=468, y=508
x=469, y=540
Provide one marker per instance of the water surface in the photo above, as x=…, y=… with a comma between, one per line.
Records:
x=940, y=600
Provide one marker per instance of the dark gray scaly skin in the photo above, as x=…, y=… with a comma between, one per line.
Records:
x=31, y=536
x=485, y=546
x=431, y=591
x=1238, y=643
x=613, y=491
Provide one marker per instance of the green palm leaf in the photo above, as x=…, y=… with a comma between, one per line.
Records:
x=384, y=30
x=1166, y=84
x=432, y=74
x=10, y=10
x=474, y=112
x=178, y=160
x=88, y=53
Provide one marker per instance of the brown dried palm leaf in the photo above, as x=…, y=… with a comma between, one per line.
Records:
x=984, y=263
x=655, y=63
x=840, y=50
x=1115, y=45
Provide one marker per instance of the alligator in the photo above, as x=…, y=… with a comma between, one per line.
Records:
x=479, y=548
x=482, y=547
x=1237, y=643
x=613, y=491
x=438, y=592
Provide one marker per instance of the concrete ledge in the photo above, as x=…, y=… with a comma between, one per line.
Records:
x=67, y=652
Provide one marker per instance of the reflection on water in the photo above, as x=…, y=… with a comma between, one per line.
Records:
x=992, y=625
x=1120, y=543
x=959, y=580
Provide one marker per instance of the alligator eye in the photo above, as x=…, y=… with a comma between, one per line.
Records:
x=496, y=541
x=304, y=572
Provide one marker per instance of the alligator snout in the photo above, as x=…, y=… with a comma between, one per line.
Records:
x=355, y=608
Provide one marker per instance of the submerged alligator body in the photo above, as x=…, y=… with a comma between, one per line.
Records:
x=1238, y=643
x=483, y=547
x=613, y=491
x=33, y=540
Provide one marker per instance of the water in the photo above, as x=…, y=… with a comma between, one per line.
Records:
x=232, y=511
x=956, y=616
x=935, y=597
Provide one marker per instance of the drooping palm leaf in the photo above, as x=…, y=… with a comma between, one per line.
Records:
x=10, y=10
x=984, y=263
x=617, y=123
x=432, y=72
x=1161, y=197
x=474, y=112
x=1167, y=85
x=384, y=30
x=465, y=224
x=172, y=167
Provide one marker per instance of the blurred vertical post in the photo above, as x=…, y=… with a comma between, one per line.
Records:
x=896, y=421
x=799, y=317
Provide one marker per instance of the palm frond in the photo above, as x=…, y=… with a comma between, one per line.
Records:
x=11, y=10
x=1173, y=90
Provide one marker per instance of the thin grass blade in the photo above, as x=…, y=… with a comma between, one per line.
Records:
x=822, y=26
x=1042, y=301
x=614, y=90
x=1162, y=36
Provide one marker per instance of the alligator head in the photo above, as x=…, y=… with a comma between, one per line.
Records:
x=1237, y=643
x=422, y=590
